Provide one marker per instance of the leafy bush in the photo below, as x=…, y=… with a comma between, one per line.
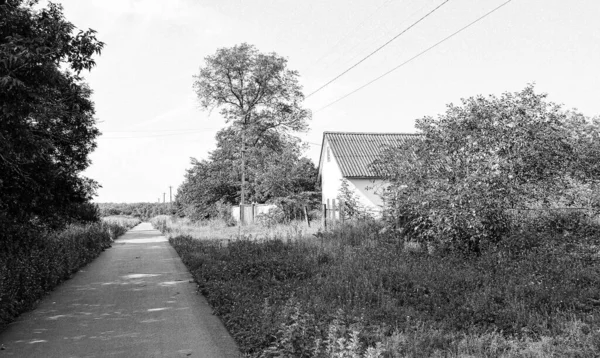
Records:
x=272, y=217
x=478, y=159
x=32, y=263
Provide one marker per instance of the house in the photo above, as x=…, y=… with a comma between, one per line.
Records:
x=347, y=155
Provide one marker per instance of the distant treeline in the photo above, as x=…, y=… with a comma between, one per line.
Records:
x=140, y=210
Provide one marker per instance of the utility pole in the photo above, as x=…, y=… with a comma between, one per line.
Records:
x=243, y=163
x=170, y=196
x=164, y=197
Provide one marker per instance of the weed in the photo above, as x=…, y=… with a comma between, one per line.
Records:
x=277, y=294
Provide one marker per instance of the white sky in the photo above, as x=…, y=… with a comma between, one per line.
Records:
x=143, y=80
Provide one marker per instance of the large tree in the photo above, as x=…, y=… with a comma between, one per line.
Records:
x=255, y=93
x=490, y=154
x=47, y=128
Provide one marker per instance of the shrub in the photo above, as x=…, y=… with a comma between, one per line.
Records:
x=274, y=216
x=32, y=263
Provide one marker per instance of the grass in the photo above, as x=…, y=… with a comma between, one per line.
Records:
x=33, y=263
x=220, y=230
x=359, y=293
x=121, y=221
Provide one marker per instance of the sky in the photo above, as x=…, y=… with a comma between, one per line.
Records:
x=152, y=124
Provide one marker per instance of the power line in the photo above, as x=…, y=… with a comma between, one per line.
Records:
x=378, y=49
x=157, y=135
x=416, y=56
x=160, y=130
x=350, y=32
x=401, y=23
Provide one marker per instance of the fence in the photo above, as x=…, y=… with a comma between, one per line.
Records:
x=249, y=212
x=335, y=212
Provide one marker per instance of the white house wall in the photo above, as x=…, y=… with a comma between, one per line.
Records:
x=368, y=192
x=331, y=175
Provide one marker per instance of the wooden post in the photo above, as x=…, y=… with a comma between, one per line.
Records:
x=333, y=208
x=328, y=211
x=342, y=209
x=306, y=216
x=324, y=217
x=241, y=214
x=253, y=212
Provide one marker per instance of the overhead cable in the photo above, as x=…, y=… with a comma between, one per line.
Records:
x=378, y=49
x=416, y=56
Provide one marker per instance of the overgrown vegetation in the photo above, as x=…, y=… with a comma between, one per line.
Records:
x=42, y=260
x=535, y=295
x=143, y=211
x=455, y=185
x=48, y=226
x=216, y=229
x=484, y=249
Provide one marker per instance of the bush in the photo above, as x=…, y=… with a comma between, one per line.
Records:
x=33, y=263
x=274, y=216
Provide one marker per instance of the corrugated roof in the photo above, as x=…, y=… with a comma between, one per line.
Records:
x=355, y=152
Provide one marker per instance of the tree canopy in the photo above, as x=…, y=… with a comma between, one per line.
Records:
x=47, y=128
x=255, y=92
x=491, y=154
x=253, y=89
x=275, y=170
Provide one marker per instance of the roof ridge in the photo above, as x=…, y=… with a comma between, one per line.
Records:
x=371, y=133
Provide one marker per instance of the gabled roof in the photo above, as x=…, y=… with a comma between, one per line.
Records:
x=354, y=152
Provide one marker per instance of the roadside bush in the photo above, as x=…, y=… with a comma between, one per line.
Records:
x=121, y=223
x=471, y=164
x=32, y=263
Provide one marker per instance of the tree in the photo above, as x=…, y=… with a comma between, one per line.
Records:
x=275, y=167
x=456, y=182
x=47, y=129
x=255, y=92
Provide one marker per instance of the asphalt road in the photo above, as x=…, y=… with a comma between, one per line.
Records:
x=135, y=300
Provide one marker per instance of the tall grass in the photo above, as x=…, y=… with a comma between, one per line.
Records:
x=121, y=221
x=218, y=229
x=32, y=263
x=355, y=292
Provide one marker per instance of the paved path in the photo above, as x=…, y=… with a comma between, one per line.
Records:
x=135, y=300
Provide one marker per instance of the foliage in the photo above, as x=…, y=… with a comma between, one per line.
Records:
x=472, y=163
x=275, y=170
x=274, y=216
x=353, y=209
x=47, y=128
x=296, y=297
x=36, y=262
x=253, y=89
x=143, y=211
x=124, y=222
x=219, y=229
